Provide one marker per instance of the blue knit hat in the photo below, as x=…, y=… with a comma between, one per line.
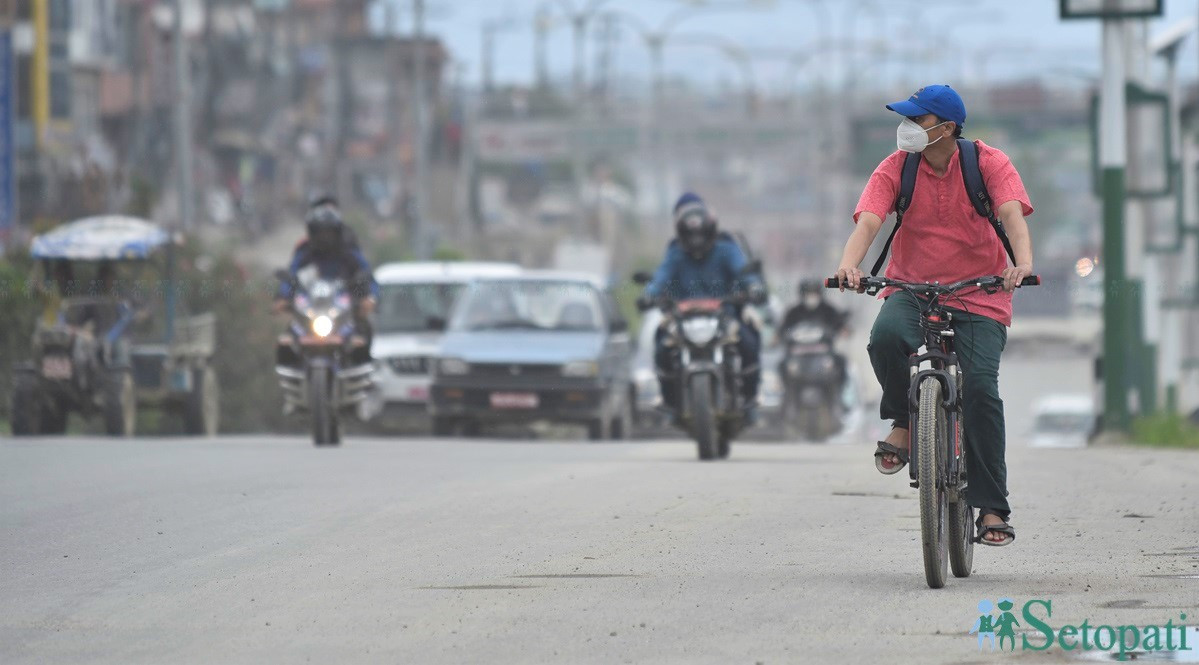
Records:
x=689, y=200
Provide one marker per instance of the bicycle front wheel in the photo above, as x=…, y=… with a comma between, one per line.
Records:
x=931, y=442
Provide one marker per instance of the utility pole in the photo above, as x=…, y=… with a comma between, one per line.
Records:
x=421, y=141
x=541, y=27
x=1142, y=326
x=183, y=141
x=1112, y=160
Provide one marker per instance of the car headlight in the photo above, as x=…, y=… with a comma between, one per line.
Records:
x=580, y=369
x=453, y=366
x=322, y=326
x=701, y=330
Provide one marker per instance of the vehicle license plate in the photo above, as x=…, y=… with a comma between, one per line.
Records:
x=418, y=394
x=56, y=367
x=514, y=400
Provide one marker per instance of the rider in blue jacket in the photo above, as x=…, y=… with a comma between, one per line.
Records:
x=702, y=262
x=332, y=248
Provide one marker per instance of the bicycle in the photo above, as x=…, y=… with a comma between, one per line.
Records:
x=935, y=421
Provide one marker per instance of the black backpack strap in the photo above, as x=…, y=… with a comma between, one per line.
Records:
x=976, y=189
x=907, y=185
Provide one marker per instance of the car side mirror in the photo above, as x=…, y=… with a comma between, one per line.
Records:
x=436, y=323
x=641, y=277
x=752, y=268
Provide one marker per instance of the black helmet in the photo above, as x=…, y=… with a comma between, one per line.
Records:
x=326, y=229
x=811, y=293
x=695, y=226
x=809, y=286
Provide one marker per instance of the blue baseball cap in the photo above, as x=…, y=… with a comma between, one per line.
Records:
x=939, y=100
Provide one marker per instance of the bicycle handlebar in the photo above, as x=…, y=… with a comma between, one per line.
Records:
x=981, y=282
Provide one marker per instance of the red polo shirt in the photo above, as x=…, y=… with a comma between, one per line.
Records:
x=942, y=238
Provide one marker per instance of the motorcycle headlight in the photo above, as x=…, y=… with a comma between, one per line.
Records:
x=580, y=369
x=701, y=330
x=453, y=366
x=322, y=326
x=807, y=335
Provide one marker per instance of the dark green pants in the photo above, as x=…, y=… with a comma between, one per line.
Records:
x=978, y=342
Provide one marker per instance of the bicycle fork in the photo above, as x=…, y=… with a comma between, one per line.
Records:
x=944, y=368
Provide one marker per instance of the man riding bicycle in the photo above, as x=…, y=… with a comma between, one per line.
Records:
x=944, y=239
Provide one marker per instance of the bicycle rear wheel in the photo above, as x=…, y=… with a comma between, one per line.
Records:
x=931, y=442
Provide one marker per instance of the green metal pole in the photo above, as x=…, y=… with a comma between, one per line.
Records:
x=1145, y=377
x=1112, y=160
x=1115, y=339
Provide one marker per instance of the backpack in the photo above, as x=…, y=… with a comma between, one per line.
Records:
x=976, y=190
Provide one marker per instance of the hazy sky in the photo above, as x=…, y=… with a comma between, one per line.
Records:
x=925, y=41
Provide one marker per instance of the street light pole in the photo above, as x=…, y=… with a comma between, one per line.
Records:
x=183, y=143
x=420, y=152
x=1112, y=160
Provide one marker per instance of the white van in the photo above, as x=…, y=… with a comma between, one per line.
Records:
x=414, y=301
x=1062, y=421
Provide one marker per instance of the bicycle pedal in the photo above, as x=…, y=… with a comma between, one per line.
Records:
x=915, y=484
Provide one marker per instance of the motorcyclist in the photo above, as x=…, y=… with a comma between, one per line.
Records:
x=813, y=309
x=329, y=247
x=318, y=199
x=702, y=262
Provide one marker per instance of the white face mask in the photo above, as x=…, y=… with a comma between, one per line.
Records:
x=911, y=137
x=811, y=302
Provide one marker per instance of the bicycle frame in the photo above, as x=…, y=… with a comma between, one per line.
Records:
x=937, y=324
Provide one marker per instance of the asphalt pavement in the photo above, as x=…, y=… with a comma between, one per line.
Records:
x=265, y=549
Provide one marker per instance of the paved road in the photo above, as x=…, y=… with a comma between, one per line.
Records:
x=268, y=550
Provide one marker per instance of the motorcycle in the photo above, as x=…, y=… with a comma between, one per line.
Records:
x=323, y=360
x=813, y=378
x=709, y=372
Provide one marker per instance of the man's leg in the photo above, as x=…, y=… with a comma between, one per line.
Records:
x=979, y=342
x=750, y=347
x=894, y=337
x=665, y=365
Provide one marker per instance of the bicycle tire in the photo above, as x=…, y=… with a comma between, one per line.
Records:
x=931, y=444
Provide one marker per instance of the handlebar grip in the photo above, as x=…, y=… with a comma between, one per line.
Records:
x=832, y=283
x=1031, y=280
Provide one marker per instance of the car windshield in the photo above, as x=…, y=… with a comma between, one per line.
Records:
x=414, y=307
x=530, y=305
x=1063, y=423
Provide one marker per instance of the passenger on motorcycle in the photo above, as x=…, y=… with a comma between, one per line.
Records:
x=702, y=262
x=330, y=248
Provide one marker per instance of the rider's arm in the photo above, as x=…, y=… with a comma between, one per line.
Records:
x=1013, y=205
x=736, y=262
x=664, y=273
x=877, y=201
x=298, y=259
x=363, y=264
x=856, y=247
x=1012, y=216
